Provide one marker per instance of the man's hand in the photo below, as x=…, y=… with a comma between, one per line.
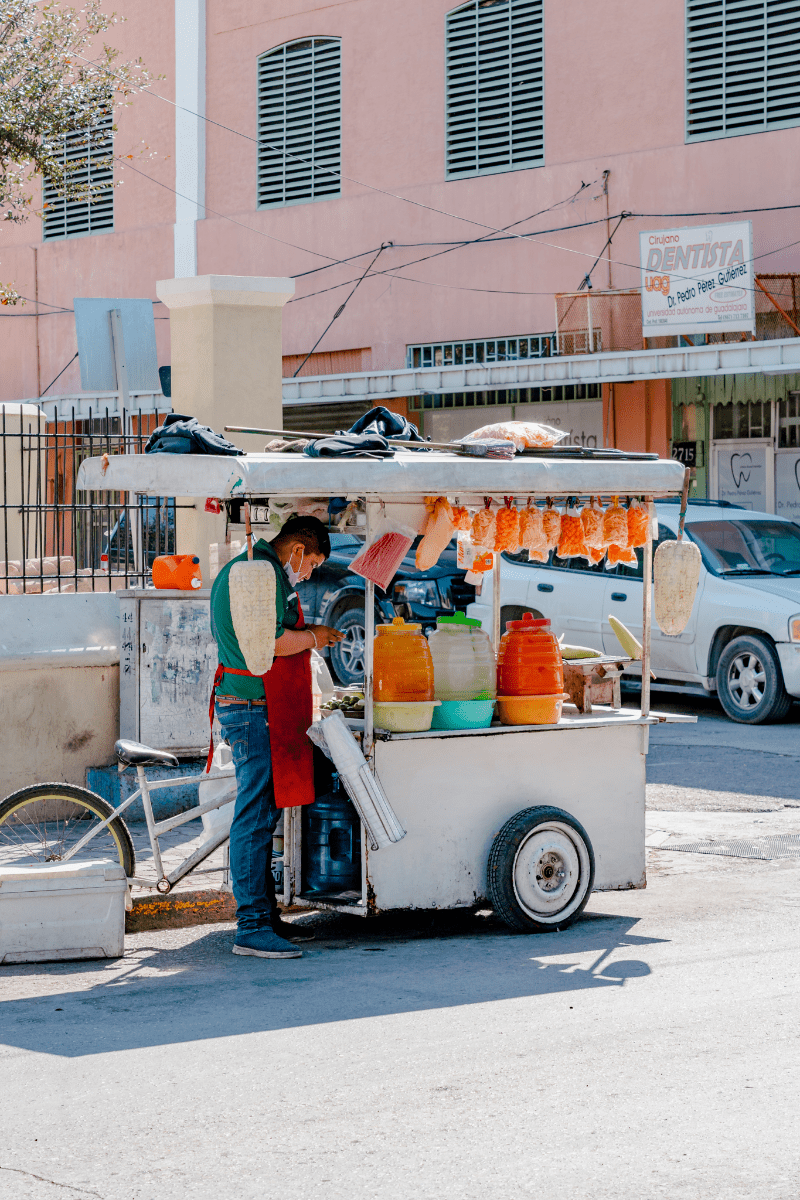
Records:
x=325, y=635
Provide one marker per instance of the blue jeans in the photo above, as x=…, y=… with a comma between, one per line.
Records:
x=255, y=815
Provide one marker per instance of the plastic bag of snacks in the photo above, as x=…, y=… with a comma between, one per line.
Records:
x=531, y=533
x=638, y=524
x=471, y=558
x=438, y=532
x=484, y=526
x=621, y=554
x=461, y=519
x=379, y=560
x=596, y=553
x=571, y=543
x=615, y=525
x=507, y=528
x=551, y=524
x=592, y=520
x=524, y=434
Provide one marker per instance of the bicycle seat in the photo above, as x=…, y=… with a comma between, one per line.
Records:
x=134, y=754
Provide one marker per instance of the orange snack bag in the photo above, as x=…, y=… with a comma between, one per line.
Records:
x=461, y=519
x=622, y=554
x=597, y=553
x=571, y=543
x=438, y=532
x=592, y=521
x=483, y=527
x=531, y=533
x=551, y=523
x=638, y=524
x=507, y=528
x=615, y=525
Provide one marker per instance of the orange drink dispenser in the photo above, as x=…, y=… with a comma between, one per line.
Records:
x=530, y=674
x=403, y=667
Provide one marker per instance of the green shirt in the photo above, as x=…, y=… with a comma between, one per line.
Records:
x=287, y=610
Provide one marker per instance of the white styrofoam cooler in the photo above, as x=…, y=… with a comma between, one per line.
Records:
x=64, y=911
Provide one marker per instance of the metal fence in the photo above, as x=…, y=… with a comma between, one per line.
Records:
x=54, y=538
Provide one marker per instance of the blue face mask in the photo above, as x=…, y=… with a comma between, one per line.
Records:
x=294, y=576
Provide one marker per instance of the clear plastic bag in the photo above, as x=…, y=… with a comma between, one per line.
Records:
x=621, y=554
x=381, y=557
x=551, y=524
x=531, y=533
x=638, y=524
x=615, y=525
x=438, y=532
x=507, y=528
x=571, y=543
x=524, y=434
x=592, y=519
x=461, y=519
x=484, y=527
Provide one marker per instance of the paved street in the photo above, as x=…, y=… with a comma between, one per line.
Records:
x=650, y=1051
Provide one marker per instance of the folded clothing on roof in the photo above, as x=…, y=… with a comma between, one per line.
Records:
x=350, y=445
x=185, y=435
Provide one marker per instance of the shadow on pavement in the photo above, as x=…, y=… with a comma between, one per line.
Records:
x=356, y=970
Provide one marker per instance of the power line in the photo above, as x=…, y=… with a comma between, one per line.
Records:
x=341, y=308
x=58, y=376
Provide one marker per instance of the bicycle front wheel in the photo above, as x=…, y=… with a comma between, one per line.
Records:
x=40, y=824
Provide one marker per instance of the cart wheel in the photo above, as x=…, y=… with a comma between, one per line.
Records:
x=541, y=870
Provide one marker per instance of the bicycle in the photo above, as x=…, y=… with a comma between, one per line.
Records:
x=61, y=822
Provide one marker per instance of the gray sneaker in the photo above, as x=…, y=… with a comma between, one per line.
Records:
x=263, y=943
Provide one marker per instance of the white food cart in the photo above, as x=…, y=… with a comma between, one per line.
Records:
x=530, y=818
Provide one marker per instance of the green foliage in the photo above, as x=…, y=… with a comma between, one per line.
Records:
x=55, y=78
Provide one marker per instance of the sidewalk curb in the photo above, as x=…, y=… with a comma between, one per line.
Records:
x=180, y=909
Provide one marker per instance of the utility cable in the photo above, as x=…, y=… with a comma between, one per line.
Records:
x=58, y=376
x=341, y=308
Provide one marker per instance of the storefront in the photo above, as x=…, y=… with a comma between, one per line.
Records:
x=743, y=432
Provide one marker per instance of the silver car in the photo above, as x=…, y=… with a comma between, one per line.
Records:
x=742, y=641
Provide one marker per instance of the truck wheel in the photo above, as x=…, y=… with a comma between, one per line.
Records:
x=749, y=682
x=347, y=656
x=541, y=870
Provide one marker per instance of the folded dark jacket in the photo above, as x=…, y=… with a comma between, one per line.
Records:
x=387, y=424
x=185, y=435
x=350, y=445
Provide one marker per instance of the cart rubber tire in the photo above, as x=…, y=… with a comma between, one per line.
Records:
x=17, y=802
x=535, y=847
x=750, y=683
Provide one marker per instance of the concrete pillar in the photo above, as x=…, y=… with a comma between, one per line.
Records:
x=225, y=334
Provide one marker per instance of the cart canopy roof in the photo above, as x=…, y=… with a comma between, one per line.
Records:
x=407, y=474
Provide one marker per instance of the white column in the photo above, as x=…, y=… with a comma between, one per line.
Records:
x=190, y=133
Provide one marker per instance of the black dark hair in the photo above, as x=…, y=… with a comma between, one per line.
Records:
x=310, y=531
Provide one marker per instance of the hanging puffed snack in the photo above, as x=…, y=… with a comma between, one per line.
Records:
x=531, y=533
x=592, y=520
x=621, y=554
x=615, y=525
x=461, y=519
x=596, y=553
x=438, y=532
x=571, y=543
x=506, y=535
x=484, y=526
x=551, y=524
x=638, y=524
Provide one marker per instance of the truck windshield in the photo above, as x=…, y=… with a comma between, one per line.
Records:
x=749, y=547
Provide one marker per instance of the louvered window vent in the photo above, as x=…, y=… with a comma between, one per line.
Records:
x=742, y=67
x=495, y=87
x=300, y=122
x=93, y=148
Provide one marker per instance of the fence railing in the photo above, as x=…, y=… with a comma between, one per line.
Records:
x=54, y=538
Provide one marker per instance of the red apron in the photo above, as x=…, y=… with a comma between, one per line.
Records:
x=290, y=709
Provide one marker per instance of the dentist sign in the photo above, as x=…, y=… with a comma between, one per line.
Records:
x=698, y=280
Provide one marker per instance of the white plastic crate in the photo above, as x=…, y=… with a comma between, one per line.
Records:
x=64, y=911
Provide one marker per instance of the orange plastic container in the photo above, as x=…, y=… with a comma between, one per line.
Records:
x=402, y=663
x=529, y=662
x=180, y=571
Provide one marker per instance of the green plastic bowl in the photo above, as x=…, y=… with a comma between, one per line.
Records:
x=463, y=714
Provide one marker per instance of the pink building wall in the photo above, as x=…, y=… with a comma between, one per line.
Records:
x=614, y=100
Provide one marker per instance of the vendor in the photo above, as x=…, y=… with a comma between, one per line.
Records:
x=264, y=719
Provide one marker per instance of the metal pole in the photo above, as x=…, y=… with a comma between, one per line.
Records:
x=496, y=604
x=647, y=605
x=369, y=637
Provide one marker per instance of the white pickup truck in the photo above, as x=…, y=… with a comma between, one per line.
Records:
x=743, y=638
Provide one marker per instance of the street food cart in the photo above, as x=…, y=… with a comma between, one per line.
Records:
x=528, y=818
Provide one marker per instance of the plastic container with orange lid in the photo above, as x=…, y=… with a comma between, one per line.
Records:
x=402, y=663
x=529, y=662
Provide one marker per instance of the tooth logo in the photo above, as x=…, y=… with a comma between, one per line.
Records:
x=741, y=466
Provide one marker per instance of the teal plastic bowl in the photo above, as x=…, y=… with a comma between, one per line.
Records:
x=463, y=714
